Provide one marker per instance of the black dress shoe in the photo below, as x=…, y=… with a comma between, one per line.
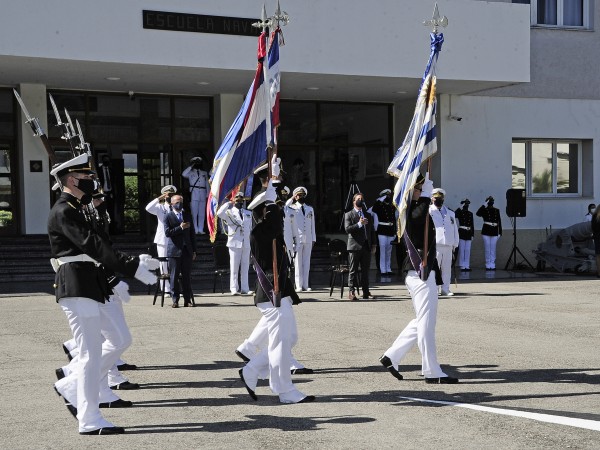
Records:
x=250, y=391
x=242, y=356
x=116, y=404
x=70, y=407
x=367, y=296
x=307, y=399
x=441, y=380
x=174, y=305
x=126, y=385
x=102, y=431
x=303, y=371
x=352, y=296
x=387, y=363
x=126, y=366
x=67, y=352
x=60, y=374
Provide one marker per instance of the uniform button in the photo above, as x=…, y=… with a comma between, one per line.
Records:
x=55, y=286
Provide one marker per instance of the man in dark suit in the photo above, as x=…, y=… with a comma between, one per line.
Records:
x=358, y=223
x=181, y=250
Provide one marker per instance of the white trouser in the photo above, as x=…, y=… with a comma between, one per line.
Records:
x=464, y=254
x=421, y=330
x=258, y=340
x=239, y=262
x=89, y=322
x=385, y=253
x=302, y=264
x=115, y=377
x=444, y=258
x=489, y=244
x=161, y=252
x=198, y=207
x=276, y=360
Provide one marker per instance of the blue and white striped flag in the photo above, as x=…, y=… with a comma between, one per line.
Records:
x=420, y=142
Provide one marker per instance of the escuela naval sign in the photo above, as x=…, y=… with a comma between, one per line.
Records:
x=197, y=23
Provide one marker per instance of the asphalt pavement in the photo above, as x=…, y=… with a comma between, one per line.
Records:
x=524, y=347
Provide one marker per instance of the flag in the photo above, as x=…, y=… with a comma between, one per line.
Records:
x=420, y=141
x=245, y=145
x=274, y=76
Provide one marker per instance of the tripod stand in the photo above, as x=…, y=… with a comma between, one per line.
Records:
x=515, y=249
x=353, y=189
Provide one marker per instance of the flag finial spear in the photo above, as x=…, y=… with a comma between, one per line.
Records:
x=264, y=22
x=436, y=20
x=280, y=16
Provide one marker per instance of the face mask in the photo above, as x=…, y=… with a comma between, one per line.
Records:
x=466, y=206
x=438, y=201
x=359, y=203
x=302, y=200
x=490, y=203
x=591, y=211
x=178, y=206
x=86, y=185
x=388, y=200
x=239, y=205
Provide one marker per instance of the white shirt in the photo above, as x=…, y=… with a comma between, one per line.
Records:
x=304, y=223
x=446, y=226
x=238, y=225
x=160, y=210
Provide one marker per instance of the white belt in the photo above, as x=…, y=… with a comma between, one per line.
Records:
x=389, y=224
x=465, y=228
x=491, y=224
x=57, y=262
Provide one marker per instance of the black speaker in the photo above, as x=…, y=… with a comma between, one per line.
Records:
x=516, y=205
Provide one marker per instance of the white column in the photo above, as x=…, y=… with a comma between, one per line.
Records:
x=34, y=194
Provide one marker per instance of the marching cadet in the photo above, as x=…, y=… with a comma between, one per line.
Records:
x=160, y=207
x=384, y=218
x=423, y=292
x=490, y=231
x=81, y=256
x=280, y=320
x=198, y=181
x=238, y=223
x=446, y=237
x=466, y=231
x=306, y=237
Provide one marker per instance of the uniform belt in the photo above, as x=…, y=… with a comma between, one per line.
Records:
x=389, y=224
x=464, y=228
x=57, y=262
x=197, y=187
x=491, y=224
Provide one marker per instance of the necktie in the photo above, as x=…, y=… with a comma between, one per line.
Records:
x=180, y=217
x=303, y=211
x=240, y=213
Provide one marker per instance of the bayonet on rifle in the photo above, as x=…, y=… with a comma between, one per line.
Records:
x=37, y=129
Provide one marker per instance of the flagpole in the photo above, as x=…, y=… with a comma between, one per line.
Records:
x=435, y=22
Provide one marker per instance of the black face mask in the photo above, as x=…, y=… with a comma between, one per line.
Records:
x=86, y=185
x=239, y=205
x=438, y=202
x=490, y=203
x=302, y=200
x=388, y=199
x=177, y=206
x=359, y=203
x=465, y=206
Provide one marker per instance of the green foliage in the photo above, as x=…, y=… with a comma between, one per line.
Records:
x=6, y=218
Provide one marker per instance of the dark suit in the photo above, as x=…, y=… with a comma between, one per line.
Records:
x=360, y=239
x=180, y=248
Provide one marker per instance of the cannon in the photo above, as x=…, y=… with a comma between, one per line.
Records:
x=568, y=250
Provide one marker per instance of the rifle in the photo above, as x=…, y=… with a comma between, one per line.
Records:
x=67, y=135
x=37, y=129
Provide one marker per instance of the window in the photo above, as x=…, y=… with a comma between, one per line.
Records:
x=547, y=168
x=560, y=13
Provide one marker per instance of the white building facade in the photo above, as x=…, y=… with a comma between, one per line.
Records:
x=155, y=82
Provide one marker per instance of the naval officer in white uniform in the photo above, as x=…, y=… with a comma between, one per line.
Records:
x=446, y=237
x=304, y=220
x=238, y=223
x=198, y=181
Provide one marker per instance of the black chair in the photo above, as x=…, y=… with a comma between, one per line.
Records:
x=338, y=257
x=221, y=265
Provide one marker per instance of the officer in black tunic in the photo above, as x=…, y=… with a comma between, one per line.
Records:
x=384, y=215
x=490, y=231
x=275, y=362
x=466, y=231
x=80, y=255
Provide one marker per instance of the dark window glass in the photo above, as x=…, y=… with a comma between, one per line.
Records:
x=7, y=124
x=298, y=122
x=354, y=123
x=192, y=120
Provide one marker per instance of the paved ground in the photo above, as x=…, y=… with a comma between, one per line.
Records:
x=521, y=346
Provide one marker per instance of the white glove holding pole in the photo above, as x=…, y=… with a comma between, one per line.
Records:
x=275, y=166
x=143, y=273
x=427, y=188
x=121, y=290
x=271, y=193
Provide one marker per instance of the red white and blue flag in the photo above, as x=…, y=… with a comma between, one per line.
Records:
x=244, y=148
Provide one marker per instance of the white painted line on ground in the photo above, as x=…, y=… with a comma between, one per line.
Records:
x=569, y=421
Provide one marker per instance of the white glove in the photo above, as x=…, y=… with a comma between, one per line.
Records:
x=149, y=262
x=427, y=188
x=275, y=166
x=271, y=193
x=121, y=290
